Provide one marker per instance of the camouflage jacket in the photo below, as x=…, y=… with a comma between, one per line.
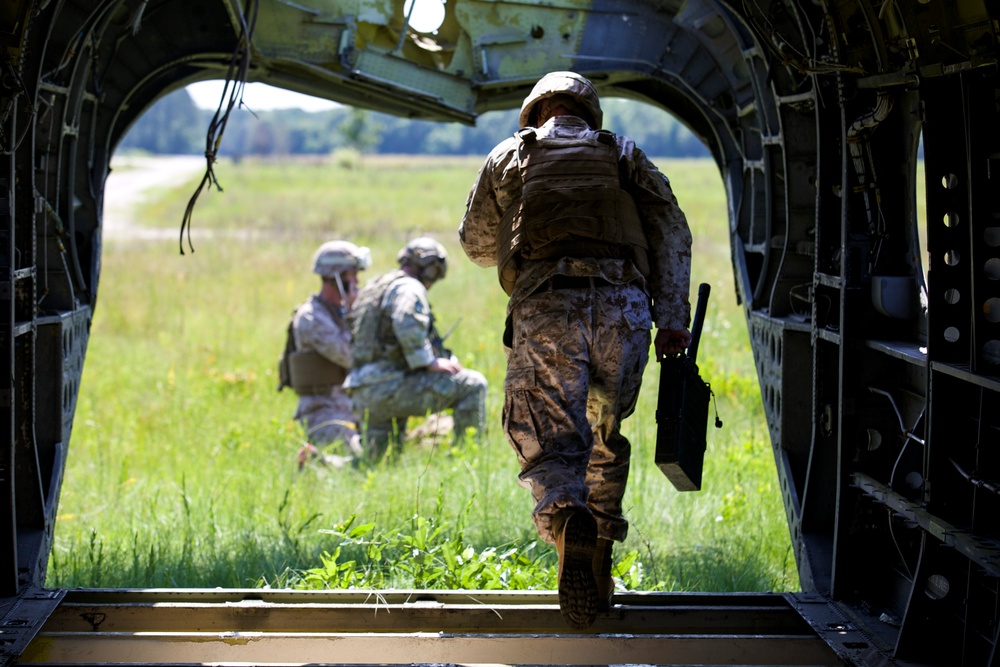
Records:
x=498, y=187
x=396, y=305
x=319, y=327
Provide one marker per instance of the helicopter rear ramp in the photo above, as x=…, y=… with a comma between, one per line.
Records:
x=261, y=627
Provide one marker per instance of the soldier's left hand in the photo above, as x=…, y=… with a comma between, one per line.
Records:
x=669, y=342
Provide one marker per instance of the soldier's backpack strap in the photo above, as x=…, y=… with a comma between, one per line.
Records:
x=284, y=362
x=509, y=235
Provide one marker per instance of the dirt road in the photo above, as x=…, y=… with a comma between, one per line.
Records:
x=130, y=183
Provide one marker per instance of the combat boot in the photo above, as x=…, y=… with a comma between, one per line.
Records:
x=575, y=532
x=602, y=573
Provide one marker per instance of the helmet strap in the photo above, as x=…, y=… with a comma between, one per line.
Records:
x=432, y=272
x=340, y=288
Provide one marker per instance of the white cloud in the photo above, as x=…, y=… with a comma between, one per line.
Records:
x=258, y=97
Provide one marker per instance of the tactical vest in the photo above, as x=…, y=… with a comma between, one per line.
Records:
x=572, y=205
x=307, y=372
x=369, y=322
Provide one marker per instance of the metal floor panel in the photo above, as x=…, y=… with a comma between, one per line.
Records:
x=261, y=627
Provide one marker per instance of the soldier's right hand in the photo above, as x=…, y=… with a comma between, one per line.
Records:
x=441, y=365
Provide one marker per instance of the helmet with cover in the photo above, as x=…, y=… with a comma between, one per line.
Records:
x=564, y=83
x=334, y=257
x=427, y=256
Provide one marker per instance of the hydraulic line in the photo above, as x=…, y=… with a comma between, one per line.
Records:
x=858, y=146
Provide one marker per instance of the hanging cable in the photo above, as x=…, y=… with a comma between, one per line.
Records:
x=232, y=95
x=136, y=19
x=788, y=54
x=864, y=167
x=9, y=145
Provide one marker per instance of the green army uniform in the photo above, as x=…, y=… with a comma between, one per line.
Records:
x=389, y=380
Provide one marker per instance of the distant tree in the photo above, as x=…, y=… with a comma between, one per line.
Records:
x=490, y=129
x=399, y=135
x=173, y=125
x=360, y=131
x=653, y=129
x=444, y=139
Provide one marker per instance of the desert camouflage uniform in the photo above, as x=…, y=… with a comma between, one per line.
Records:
x=395, y=384
x=576, y=356
x=327, y=417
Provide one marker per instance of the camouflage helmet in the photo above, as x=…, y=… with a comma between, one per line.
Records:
x=427, y=255
x=334, y=257
x=564, y=83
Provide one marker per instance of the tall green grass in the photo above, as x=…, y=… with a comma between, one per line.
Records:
x=181, y=468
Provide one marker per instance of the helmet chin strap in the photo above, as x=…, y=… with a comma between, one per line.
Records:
x=340, y=288
x=432, y=272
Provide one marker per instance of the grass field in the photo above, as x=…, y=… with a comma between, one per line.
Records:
x=181, y=467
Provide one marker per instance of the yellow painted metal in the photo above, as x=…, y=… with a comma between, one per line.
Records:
x=370, y=43
x=377, y=649
x=408, y=627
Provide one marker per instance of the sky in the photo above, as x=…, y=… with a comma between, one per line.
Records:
x=257, y=96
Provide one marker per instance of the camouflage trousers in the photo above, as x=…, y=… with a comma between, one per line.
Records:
x=573, y=373
x=416, y=394
x=328, y=420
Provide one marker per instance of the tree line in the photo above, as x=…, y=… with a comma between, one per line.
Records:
x=175, y=125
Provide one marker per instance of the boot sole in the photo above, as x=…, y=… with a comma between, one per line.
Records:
x=578, y=596
x=603, y=567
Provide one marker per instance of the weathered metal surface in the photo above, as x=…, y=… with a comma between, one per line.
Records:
x=21, y=618
x=406, y=627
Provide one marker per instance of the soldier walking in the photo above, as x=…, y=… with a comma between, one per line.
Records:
x=592, y=248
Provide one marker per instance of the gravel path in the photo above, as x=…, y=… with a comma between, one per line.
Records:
x=130, y=183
